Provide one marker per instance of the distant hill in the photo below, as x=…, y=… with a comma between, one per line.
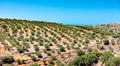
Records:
x=110, y=28
x=34, y=43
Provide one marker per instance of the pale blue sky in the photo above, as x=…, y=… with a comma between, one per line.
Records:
x=63, y=11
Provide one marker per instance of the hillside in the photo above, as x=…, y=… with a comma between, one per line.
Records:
x=45, y=43
x=115, y=28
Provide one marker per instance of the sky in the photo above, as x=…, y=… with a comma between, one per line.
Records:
x=76, y=12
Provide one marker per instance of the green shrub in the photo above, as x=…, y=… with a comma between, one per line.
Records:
x=50, y=61
x=106, y=42
x=68, y=47
x=47, y=46
x=34, y=64
x=8, y=59
x=21, y=61
x=84, y=60
x=4, y=26
x=113, y=62
x=59, y=63
x=61, y=48
x=53, y=57
x=40, y=43
x=29, y=54
x=58, y=51
x=80, y=52
x=20, y=49
x=26, y=45
x=38, y=54
x=45, y=51
x=53, y=51
x=36, y=47
x=106, y=56
x=2, y=35
x=112, y=42
x=115, y=35
x=48, y=53
x=33, y=58
x=62, y=55
x=50, y=65
x=89, y=49
x=79, y=45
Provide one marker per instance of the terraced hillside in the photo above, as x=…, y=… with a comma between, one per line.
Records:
x=35, y=43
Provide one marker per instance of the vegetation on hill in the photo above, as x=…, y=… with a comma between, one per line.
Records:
x=34, y=43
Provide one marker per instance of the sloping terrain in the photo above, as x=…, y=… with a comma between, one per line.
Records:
x=110, y=27
x=45, y=43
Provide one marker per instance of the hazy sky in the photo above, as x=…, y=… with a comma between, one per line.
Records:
x=63, y=11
